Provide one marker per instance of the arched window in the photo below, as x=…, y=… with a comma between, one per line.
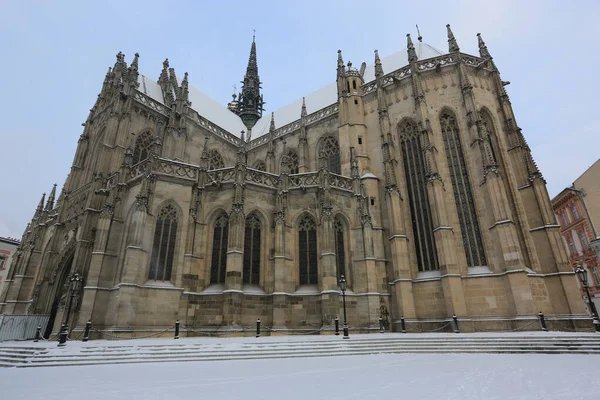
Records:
x=330, y=147
x=219, y=249
x=307, y=238
x=292, y=159
x=215, y=161
x=252, y=250
x=260, y=165
x=142, y=147
x=163, y=247
x=420, y=213
x=463, y=196
x=340, y=249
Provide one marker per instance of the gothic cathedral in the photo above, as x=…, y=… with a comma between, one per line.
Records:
x=410, y=177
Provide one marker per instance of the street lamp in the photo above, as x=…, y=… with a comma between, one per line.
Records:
x=582, y=275
x=344, y=286
x=74, y=281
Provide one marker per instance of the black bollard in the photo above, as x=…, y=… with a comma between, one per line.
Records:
x=456, y=329
x=403, y=324
x=177, y=329
x=38, y=334
x=381, y=330
x=542, y=321
x=62, y=337
x=337, y=326
x=258, y=327
x=86, y=334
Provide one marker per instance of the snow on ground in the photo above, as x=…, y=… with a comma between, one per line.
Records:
x=402, y=376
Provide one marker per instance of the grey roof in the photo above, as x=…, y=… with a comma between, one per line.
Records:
x=321, y=98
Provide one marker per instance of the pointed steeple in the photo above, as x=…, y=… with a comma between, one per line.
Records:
x=452, y=45
x=250, y=101
x=272, y=126
x=40, y=207
x=483, y=50
x=303, y=111
x=410, y=48
x=378, y=67
x=50, y=203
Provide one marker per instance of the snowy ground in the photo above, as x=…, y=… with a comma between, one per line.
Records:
x=418, y=377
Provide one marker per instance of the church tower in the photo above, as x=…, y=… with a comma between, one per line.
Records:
x=250, y=101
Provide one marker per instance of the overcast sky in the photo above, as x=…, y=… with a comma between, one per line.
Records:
x=55, y=55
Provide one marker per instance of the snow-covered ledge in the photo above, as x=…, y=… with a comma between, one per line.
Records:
x=428, y=275
x=481, y=270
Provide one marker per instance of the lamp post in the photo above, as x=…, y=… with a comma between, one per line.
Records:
x=582, y=275
x=344, y=286
x=74, y=281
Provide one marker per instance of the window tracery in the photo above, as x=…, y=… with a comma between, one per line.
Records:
x=252, y=250
x=163, y=247
x=463, y=196
x=420, y=212
x=292, y=159
x=307, y=237
x=142, y=148
x=215, y=161
x=260, y=165
x=219, y=249
x=330, y=147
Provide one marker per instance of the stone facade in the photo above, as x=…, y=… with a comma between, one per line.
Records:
x=417, y=184
x=8, y=247
x=576, y=210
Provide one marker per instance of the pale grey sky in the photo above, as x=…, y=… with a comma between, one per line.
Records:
x=57, y=52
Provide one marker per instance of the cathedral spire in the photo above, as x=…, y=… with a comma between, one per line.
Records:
x=378, y=67
x=483, y=50
x=410, y=48
x=250, y=102
x=50, y=202
x=452, y=45
x=272, y=126
x=303, y=111
x=40, y=207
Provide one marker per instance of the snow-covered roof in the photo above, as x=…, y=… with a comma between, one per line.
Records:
x=220, y=115
x=327, y=95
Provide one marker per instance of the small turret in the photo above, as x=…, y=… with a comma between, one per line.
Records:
x=378, y=66
x=303, y=111
x=50, y=203
x=452, y=45
x=410, y=48
x=483, y=50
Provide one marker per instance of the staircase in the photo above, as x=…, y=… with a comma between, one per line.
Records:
x=45, y=354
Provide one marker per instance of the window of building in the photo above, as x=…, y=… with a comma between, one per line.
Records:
x=572, y=246
x=330, y=148
x=463, y=196
x=219, y=249
x=307, y=238
x=215, y=161
x=252, y=250
x=2, y=262
x=414, y=169
x=564, y=219
x=142, y=148
x=596, y=275
x=291, y=158
x=340, y=249
x=163, y=247
x=575, y=212
x=583, y=240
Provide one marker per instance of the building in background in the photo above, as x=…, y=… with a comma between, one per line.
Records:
x=8, y=247
x=409, y=176
x=577, y=210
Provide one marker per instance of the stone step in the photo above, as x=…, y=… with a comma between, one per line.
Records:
x=276, y=355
